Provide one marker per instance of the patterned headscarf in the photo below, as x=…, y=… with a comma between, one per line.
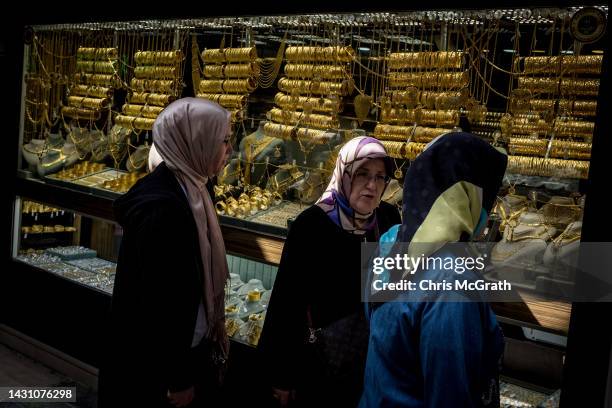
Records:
x=446, y=190
x=187, y=135
x=335, y=199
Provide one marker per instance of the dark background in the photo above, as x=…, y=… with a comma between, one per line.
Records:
x=590, y=337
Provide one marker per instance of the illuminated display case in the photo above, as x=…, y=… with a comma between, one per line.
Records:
x=298, y=87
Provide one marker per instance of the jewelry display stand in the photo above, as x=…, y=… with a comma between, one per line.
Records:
x=96, y=79
x=231, y=74
x=425, y=90
x=549, y=107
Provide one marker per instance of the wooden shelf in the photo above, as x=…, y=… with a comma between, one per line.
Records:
x=65, y=198
x=252, y=245
x=551, y=316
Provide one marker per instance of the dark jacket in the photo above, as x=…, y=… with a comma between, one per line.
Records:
x=158, y=288
x=320, y=267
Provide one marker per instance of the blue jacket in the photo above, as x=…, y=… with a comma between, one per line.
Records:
x=425, y=353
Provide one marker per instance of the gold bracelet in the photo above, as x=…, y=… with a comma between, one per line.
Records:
x=221, y=207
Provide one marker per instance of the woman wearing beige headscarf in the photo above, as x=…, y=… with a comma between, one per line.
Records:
x=167, y=317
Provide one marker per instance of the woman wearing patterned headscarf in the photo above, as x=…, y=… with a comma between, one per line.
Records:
x=437, y=348
x=318, y=281
x=167, y=334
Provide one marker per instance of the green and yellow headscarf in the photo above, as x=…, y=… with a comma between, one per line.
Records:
x=446, y=189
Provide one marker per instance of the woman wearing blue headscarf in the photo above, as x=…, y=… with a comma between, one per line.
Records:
x=431, y=351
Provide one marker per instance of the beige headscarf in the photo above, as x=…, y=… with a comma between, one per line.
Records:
x=187, y=135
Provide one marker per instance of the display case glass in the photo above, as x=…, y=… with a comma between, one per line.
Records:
x=298, y=87
x=84, y=250
x=76, y=247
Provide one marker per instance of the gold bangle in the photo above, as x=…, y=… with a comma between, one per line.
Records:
x=245, y=206
x=239, y=211
x=265, y=202
x=220, y=207
x=276, y=198
x=255, y=204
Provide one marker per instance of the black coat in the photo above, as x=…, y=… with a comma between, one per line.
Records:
x=320, y=266
x=158, y=288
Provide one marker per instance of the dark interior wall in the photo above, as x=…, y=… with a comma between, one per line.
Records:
x=590, y=333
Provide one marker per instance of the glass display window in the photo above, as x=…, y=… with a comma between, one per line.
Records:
x=299, y=86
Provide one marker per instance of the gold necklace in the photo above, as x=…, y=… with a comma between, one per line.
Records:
x=39, y=153
x=398, y=170
x=500, y=256
x=252, y=149
x=545, y=235
x=567, y=237
x=269, y=68
x=392, y=193
x=564, y=240
x=260, y=145
x=304, y=150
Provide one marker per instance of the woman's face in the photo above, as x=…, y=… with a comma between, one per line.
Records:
x=367, y=186
x=223, y=154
